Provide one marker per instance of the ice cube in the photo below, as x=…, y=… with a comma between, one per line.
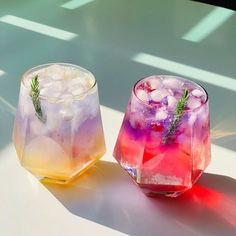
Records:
x=192, y=119
x=37, y=127
x=47, y=92
x=77, y=89
x=158, y=95
x=44, y=153
x=54, y=90
x=171, y=92
x=172, y=83
x=161, y=115
x=66, y=110
x=85, y=81
x=136, y=121
x=66, y=114
x=155, y=136
x=193, y=103
x=153, y=162
x=82, y=79
x=78, y=85
x=154, y=82
x=172, y=102
x=142, y=95
x=72, y=82
x=197, y=93
x=45, y=82
x=165, y=167
x=56, y=72
x=54, y=120
x=71, y=73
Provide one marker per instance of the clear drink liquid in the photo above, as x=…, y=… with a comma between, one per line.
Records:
x=162, y=153
x=67, y=137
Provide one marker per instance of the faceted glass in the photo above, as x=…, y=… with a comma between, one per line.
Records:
x=58, y=130
x=164, y=140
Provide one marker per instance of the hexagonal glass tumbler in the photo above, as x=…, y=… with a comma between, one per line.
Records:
x=58, y=130
x=164, y=140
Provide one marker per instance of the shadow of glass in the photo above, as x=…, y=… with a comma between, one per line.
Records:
x=108, y=196
x=208, y=208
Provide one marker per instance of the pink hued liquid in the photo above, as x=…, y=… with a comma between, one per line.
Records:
x=157, y=166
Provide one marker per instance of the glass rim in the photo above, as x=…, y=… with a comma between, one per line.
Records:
x=43, y=97
x=175, y=76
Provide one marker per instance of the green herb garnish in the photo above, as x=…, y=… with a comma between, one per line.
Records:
x=35, y=92
x=179, y=110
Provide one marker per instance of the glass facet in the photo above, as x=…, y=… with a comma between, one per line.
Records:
x=58, y=131
x=164, y=140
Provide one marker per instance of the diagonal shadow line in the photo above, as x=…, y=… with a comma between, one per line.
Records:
x=106, y=195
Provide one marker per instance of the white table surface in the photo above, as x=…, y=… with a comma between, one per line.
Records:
x=105, y=201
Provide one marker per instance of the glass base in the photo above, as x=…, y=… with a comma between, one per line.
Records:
x=62, y=179
x=165, y=190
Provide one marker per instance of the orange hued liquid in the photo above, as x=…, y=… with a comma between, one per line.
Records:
x=60, y=158
x=70, y=138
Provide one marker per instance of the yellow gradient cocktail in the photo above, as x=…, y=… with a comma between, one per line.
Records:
x=58, y=130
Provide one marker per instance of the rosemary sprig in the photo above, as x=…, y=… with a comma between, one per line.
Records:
x=34, y=93
x=179, y=110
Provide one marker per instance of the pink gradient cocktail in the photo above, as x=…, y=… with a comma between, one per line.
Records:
x=58, y=130
x=164, y=141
